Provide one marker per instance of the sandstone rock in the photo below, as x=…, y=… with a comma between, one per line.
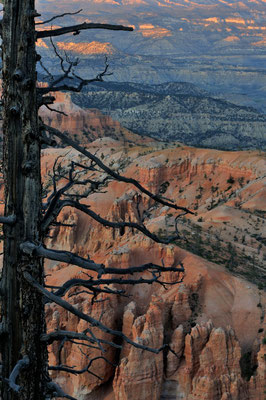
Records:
x=79, y=355
x=86, y=125
x=208, y=353
x=257, y=381
x=128, y=321
x=140, y=374
x=177, y=344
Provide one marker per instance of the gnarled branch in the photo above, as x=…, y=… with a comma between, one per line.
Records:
x=77, y=28
x=112, y=173
x=91, y=283
x=59, y=335
x=58, y=16
x=63, y=256
x=57, y=391
x=21, y=364
x=58, y=85
x=72, y=370
x=94, y=322
x=71, y=258
x=52, y=213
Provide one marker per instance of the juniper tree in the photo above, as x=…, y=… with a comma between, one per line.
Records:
x=26, y=220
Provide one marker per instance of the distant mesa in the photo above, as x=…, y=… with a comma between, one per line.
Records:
x=149, y=30
x=217, y=44
x=83, y=48
x=87, y=48
x=41, y=43
x=260, y=43
x=232, y=39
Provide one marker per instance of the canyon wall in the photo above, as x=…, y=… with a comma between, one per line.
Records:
x=85, y=125
x=213, y=320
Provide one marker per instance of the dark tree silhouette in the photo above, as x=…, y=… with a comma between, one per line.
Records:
x=28, y=217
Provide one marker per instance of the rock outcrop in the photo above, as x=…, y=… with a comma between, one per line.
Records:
x=203, y=364
x=212, y=320
x=86, y=125
x=140, y=373
x=74, y=353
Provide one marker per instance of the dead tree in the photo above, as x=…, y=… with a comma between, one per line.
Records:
x=24, y=366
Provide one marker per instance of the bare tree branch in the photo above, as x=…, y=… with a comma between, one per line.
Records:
x=95, y=323
x=52, y=203
x=74, y=371
x=9, y=220
x=58, y=16
x=71, y=64
x=59, y=335
x=96, y=290
x=53, y=212
x=49, y=75
x=112, y=173
x=56, y=111
x=57, y=391
x=54, y=84
x=153, y=269
x=77, y=28
x=21, y=364
x=56, y=194
x=71, y=258
x=63, y=256
x=43, y=100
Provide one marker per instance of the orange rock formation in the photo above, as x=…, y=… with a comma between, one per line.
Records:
x=85, y=125
x=213, y=320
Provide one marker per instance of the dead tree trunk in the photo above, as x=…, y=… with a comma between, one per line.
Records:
x=22, y=308
x=24, y=374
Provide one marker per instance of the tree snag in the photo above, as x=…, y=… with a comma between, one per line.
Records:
x=22, y=308
x=23, y=293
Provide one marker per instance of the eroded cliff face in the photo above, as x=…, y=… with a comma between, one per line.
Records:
x=225, y=190
x=204, y=364
x=205, y=355
x=213, y=320
x=86, y=125
x=71, y=354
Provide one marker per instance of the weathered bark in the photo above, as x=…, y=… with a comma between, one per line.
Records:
x=22, y=309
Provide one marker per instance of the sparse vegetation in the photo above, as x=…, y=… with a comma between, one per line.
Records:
x=241, y=181
x=231, y=180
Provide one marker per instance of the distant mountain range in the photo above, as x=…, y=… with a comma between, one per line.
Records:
x=177, y=112
x=219, y=45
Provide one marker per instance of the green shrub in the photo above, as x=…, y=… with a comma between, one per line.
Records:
x=230, y=180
